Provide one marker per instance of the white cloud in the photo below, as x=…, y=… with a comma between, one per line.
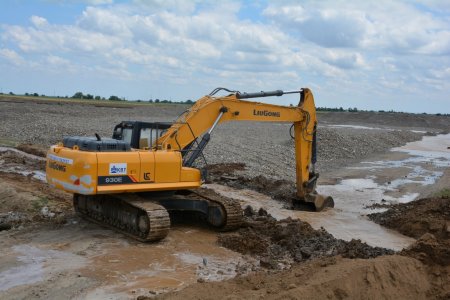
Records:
x=329, y=45
x=12, y=56
x=38, y=21
x=344, y=60
x=327, y=27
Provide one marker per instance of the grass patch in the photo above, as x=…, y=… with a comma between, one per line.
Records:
x=445, y=193
x=39, y=203
x=5, y=142
x=101, y=103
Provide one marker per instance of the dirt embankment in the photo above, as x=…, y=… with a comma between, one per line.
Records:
x=25, y=199
x=226, y=173
x=387, y=277
x=414, y=219
x=428, y=220
x=279, y=244
x=419, y=272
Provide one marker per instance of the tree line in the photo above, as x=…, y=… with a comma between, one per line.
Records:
x=80, y=95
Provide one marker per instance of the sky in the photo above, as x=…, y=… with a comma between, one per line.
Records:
x=373, y=55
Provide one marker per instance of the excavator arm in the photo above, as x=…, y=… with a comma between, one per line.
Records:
x=209, y=111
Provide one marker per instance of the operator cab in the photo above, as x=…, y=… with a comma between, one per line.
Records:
x=140, y=135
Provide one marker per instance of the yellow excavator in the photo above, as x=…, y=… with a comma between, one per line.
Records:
x=131, y=182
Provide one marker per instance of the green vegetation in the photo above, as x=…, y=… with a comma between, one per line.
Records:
x=81, y=96
x=7, y=142
x=89, y=98
x=39, y=203
x=445, y=193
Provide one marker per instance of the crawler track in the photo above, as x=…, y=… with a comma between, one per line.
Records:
x=129, y=214
x=231, y=208
x=146, y=217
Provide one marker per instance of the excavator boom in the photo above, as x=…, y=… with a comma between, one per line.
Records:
x=209, y=111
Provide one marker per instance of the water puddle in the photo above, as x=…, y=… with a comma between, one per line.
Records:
x=185, y=256
x=372, y=182
x=371, y=128
x=34, y=264
x=343, y=222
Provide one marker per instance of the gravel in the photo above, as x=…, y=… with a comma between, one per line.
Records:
x=265, y=148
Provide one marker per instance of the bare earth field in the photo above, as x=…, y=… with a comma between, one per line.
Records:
x=379, y=241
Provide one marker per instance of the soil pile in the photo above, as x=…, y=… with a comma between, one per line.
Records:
x=428, y=215
x=279, y=244
x=25, y=199
x=40, y=151
x=387, y=277
x=427, y=219
x=430, y=250
x=228, y=174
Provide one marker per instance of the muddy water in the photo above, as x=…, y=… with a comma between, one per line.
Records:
x=185, y=256
x=104, y=264
x=399, y=177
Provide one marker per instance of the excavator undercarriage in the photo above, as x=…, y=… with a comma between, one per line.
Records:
x=146, y=217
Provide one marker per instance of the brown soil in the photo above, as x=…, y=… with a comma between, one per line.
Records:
x=225, y=173
x=315, y=264
x=427, y=219
x=24, y=200
x=421, y=272
x=278, y=244
x=11, y=159
x=37, y=150
x=218, y=170
x=386, y=277
x=428, y=215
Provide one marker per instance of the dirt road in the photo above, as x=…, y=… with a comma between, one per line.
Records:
x=49, y=252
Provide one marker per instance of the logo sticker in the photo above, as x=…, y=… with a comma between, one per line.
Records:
x=63, y=160
x=55, y=166
x=118, y=169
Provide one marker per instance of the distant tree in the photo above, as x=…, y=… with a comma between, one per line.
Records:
x=189, y=101
x=156, y=100
x=26, y=94
x=150, y=101
x=341, y=109
x=11, y=93
x=35, y=94
x=42, y=95
x=114, y=98
x=89, y=96
x=78, y=95
x=97, y=97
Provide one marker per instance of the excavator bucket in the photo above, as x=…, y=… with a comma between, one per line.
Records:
x=314, y=202
x=321, y=202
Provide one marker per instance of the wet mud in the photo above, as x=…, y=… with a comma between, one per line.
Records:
x=277, y=253
x=228, y=174
x=279, y=244
x=428, y=220
x=414, y=219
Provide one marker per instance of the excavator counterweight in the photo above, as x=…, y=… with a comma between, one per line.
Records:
x=131, y=182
